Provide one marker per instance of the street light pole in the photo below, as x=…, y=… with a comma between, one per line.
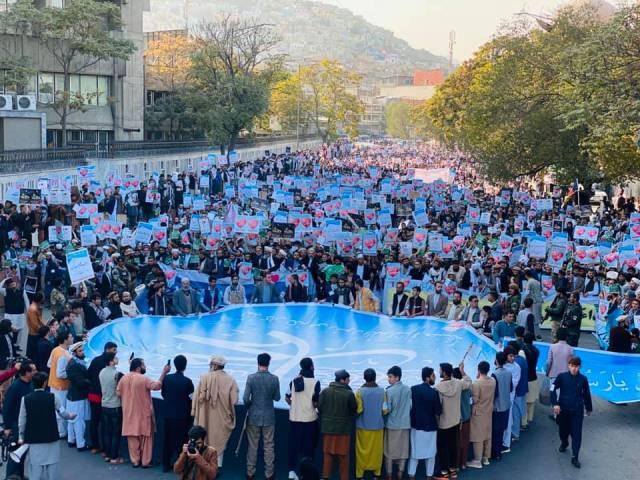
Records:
x=298, y=113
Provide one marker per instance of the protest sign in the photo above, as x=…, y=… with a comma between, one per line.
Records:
x=79, y=266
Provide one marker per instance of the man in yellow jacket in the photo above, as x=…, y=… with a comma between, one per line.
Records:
x=58, y=374
x=365, y=300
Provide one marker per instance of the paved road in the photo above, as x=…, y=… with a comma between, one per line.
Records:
x=607, y=447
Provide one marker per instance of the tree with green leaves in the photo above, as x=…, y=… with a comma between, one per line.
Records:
x=232, y=69
x=398, y=120
x=327, y=86
x=77, y=36
x=560, y=100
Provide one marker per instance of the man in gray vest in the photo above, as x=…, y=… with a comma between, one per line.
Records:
x=38, y=427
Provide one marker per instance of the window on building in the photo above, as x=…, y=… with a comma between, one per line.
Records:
x=74, y=85
x=104, y=92
x=58, y=85
x=56, y=3
x=45, y=88
x=31, y=87
x=89, y=89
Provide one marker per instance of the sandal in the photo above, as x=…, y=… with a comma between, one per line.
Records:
x=107, y=459
x=116, y=461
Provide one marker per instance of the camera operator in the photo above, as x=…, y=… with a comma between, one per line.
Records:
x=197, y=461
x=11, y=409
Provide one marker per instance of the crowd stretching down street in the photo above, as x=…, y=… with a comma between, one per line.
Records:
x=388, y=228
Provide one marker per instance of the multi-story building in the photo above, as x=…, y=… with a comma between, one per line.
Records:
x=113, y=90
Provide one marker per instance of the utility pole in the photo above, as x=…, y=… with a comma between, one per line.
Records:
x=298, y=114
x=187, y=13
x=452, y=42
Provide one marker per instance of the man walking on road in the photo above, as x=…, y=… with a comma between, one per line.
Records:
x=569, y=407
x=262, y=389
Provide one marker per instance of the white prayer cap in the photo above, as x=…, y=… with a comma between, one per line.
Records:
x=75, y=346
x=218, y=360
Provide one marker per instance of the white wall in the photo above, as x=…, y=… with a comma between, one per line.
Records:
x=143, y=166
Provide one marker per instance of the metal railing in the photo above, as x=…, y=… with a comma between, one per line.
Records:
x=19, y=161
x=149, y=148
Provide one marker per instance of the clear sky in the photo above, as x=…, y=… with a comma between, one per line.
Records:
x=427, y=23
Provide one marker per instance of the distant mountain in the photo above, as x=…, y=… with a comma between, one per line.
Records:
x=310, y=31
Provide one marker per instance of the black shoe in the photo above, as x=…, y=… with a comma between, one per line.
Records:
x=575, y=462
x=135, y=465
x=83, y=449
x=71, y=445
x=563, y=448
x=147, y=466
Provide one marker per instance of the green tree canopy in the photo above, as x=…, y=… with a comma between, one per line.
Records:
x=398, y=120
x=563, y=100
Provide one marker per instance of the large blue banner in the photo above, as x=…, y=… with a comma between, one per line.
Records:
x=335, y=337
x=612, y=376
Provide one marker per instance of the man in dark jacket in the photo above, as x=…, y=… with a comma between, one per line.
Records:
x=38, y=427
x=572, y=319
x=11, y=410
x=425, y=409
x=570, y=406
x=619, y=337
x=77, y=397
x=555, y=313
x=337, y=407
x=95, y=395
x=176, y=392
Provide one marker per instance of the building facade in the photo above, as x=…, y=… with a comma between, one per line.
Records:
x=113, y=91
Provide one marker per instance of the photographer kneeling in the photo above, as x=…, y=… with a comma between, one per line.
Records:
x=197, y=461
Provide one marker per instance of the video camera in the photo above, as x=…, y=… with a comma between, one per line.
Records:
x=191, y=446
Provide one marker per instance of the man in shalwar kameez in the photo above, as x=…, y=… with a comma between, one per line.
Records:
x=138, y=422
x=371, y=401
x=213, y=405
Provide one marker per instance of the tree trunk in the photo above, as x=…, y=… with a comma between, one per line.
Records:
x=66, y=97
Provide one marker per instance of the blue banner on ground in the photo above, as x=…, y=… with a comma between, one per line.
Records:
x=335, y=337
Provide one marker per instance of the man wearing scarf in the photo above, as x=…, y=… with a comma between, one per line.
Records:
x=213, y=405
x=302, y=397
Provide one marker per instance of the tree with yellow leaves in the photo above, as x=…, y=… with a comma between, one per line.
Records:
x=318, y=95
x=168, y=62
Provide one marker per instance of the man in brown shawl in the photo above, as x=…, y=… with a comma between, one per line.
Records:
x=214, y=405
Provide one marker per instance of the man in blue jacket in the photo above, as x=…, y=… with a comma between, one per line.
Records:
x=569, y=407
x=425, y=409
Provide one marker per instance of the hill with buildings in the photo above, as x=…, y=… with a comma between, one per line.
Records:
x=310, y=31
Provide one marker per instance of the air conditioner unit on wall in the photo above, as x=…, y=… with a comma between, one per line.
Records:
x=26, y=102
x=6, y=102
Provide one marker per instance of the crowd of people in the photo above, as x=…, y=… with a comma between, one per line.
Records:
x=395, y=229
